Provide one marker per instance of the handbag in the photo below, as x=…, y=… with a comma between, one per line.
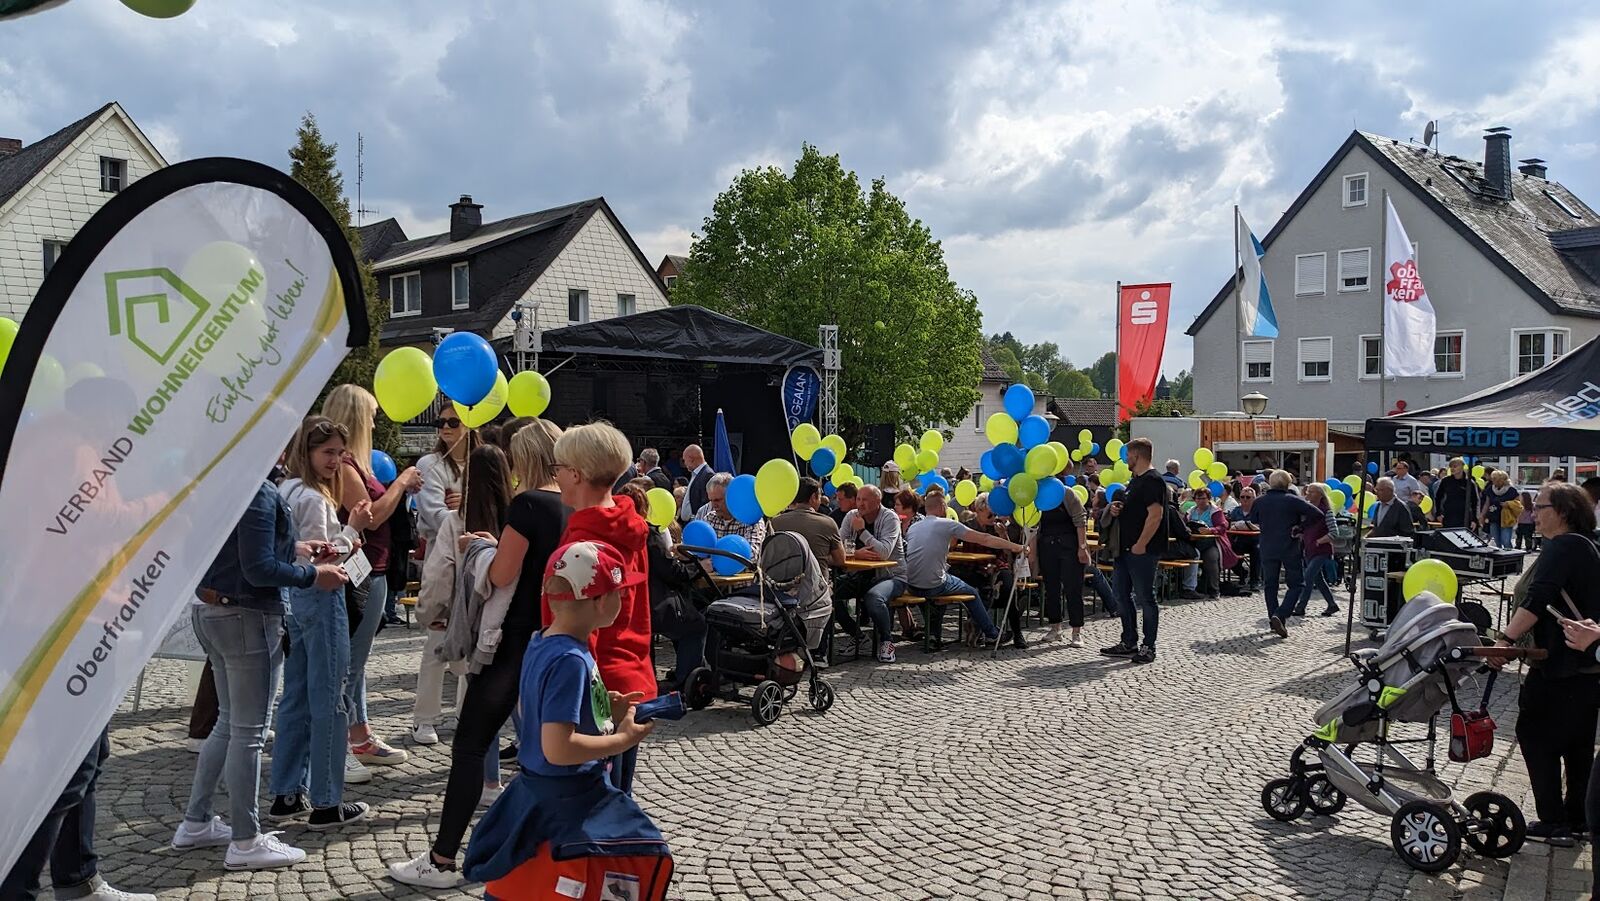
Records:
x=1472, y=731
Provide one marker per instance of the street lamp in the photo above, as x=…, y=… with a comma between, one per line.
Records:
x=1255, y=403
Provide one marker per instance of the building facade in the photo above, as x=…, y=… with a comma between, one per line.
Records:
x=50, y=188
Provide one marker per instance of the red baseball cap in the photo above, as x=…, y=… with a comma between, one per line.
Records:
x=593, y=569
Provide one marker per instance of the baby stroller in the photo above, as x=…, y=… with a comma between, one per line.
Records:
x=763, y=635
x=1429, y=652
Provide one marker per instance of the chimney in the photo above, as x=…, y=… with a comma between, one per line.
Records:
x=465, y=217
x=1533, y=168
x=9, y=147
x=1497, y=162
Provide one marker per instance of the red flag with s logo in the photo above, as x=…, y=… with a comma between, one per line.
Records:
x=1141, y=338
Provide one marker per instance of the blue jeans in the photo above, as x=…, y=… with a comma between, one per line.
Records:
x=245, y=647
x=1133, y=580
x=1314, y=577
x=975, y=607
x=355, y=686
x=690, y=653
x=1102, y=589
x=312, y=716
x=65, y=838
x=1292, y=569
x=876, y=601
x=1502, y=535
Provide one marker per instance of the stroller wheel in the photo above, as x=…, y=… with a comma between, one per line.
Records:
x=1283, y=800
x=821, y=696
x=1498, y=828
x=1426, y=836
x=767, y=703
x=1322, y=797
x=701, y=688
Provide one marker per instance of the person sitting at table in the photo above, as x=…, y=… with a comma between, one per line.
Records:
x=844, y=500
x=1246, y=547
x=1419, y=520
x=715, y=512
x=873, y=531
x=994, y=577
x=1216, y=552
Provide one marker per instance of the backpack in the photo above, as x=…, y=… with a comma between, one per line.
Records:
x=1341, y=530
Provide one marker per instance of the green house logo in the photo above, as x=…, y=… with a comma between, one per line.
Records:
x=156, y=309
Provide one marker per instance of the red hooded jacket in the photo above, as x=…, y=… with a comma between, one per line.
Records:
x=622, y=649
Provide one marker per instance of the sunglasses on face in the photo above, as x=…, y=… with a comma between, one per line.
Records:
x=451, y=423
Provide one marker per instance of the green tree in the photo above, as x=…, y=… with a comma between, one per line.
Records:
x=1073, y=383
x=1006, y=359
x=1104, y=374
x=789, y=251
x=1183, y=386
x=313, y=162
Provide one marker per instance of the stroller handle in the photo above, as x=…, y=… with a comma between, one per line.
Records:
x=719, y=552
x=1509, y=653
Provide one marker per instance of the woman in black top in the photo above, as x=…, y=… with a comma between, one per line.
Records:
x=1456, y=498
x=1557, y=706
x=1060, y=551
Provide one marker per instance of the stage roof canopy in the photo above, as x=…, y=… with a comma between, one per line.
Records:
x=684, y=333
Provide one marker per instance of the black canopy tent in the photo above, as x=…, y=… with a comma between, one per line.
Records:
x=1553, y=411
x=661, y=376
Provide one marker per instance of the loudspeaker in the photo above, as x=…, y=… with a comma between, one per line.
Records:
x=880, y=444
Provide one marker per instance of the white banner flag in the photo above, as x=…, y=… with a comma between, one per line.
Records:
x=1408, y=320
x=167, y=359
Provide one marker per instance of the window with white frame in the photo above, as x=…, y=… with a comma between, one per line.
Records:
x=460, y=286
x=1355, y=189
x=405, y=294
x=1355, y=269
x=978, y=418
x=670, y=281
x=1449, y=353
x=52, y=252
x=1316, y=359
x=625, y=305
x=1310, y=274
x=1257, y=361
x=577, y=305
x=1371, y=356
x=113, y=174
x=1534, y=349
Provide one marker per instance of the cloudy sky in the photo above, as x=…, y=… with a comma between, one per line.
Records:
x=1053, y=147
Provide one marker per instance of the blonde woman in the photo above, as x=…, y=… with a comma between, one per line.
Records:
x=312, y=717
x=353, y=407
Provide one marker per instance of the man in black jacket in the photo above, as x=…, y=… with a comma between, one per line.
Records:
x=1393, y=517
x=649, y=466
x=1280, y=515
x=1457, y=497
x=694, y=463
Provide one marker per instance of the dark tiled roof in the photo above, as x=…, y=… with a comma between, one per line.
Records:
x=16, y=170
x=489, y=234
x=678, y=262
x=1516, y=235
x=1087, y=411
x=377, y=238
x=991, y=370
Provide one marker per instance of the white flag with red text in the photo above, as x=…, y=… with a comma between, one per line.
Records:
x=1409, y=325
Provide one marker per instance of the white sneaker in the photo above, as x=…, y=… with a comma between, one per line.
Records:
x=209, y=835
x=425, y=735
x=265, y=853
x=490, y=795
x=194, y=744
x=886, y=652
x=424, y=873
x=355, y=772
x=102, y=891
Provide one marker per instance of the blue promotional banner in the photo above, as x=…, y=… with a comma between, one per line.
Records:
x=801, y=385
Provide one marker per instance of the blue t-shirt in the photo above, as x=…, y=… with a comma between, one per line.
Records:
x=560, y=684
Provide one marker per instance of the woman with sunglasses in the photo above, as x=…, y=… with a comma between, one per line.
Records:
x=442, y=473
x=312, y=716
x=355, y=408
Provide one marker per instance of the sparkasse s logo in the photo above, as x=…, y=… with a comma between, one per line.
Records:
x=155, y=308
x=1144, y=310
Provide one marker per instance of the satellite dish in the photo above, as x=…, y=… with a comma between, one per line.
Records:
x=1429, y=132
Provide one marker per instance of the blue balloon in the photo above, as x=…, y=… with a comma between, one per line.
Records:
x=1051, y=493
x=1112, y=492
x=1032, y=432
x=1000, y=502
x=1019, y=401
x=698, y=533
x=1008, y=460
x=1122, y=452
x=989, y=466
x=383, y=467
x=1335, y=484
x=742, y=501
x=928, y=479
x=1070, y=480
x=1215, y=488
x=733, y=544
x=823, y=462
x=1372, y=468
x=464, y=366
x=828, y=490
x=1372, y=510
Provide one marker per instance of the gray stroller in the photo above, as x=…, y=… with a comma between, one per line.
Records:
x=1429, y=652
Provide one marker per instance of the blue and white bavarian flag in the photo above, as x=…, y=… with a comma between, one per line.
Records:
x=1256, y=319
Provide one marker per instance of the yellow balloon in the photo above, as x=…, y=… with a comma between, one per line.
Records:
x=484, y=411
x=1063, y=456
x=835, y=444
x=1041, y=461
x=1028, y=516
x=1430, y=575
x=933, y=440
x=81, y=370
x=1427, y=504
x=777, y=482
x=1023, y=488
x=49, y=383
x=805, y=440
x=985, y=483
x=1197, y=479
x=8, y=334
x=905, y=457
x=1477, y=471
x=1217, y=470
x=1113, y=449
x=1354, y=481
x=663, y=507
x=1078, y=454
x=215, y=272
x=529, y=394
x=1203, y=457
x=1337, y=499
x=966, y=492
x=1085, y=437
x=1001, y=429
x=950, y=513
x=841, y=474
x=1082, y=493
x=404, y=383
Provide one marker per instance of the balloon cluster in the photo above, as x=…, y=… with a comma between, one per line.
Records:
x=922, y=461
x=464, y=367
x=1020, y=471
x=825, y=455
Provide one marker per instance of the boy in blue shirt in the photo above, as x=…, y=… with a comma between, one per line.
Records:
x=561, y=830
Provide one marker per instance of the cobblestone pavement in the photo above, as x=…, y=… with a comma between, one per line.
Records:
x=1048, y=773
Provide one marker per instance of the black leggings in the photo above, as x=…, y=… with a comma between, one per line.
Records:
x=1555, y=729
x=491, y=698
x=1061, y=570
